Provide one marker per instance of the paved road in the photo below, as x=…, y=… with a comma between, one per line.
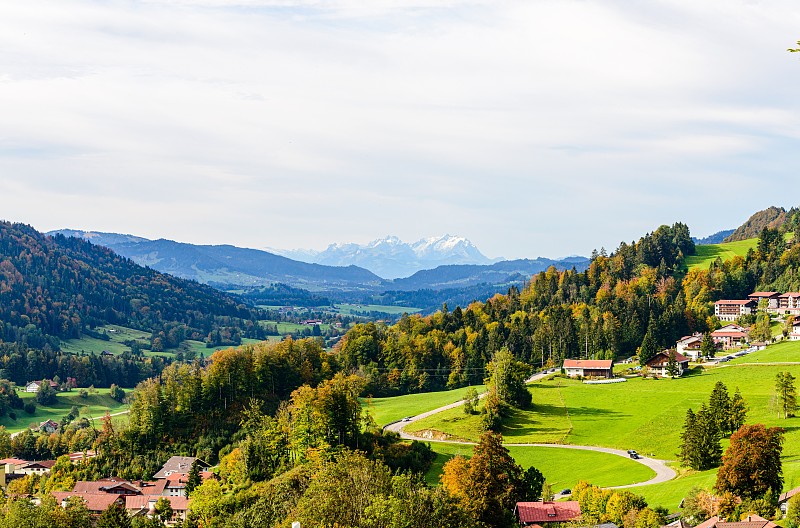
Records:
x=663, y=472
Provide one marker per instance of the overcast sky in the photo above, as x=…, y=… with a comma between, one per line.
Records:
x=533, y=128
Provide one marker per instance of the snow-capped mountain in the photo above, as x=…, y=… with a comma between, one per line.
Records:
x=391, y=258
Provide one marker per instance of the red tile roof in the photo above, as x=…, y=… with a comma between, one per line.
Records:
x=138, y=502
x=541, y=512
x=751, y=521
x=15, y=461
x=95, y=502
x=763, y=294
x=746, y=301
x=588, y=363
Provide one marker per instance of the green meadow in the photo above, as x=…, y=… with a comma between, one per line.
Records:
x=708, y=253
x=387, y=410
x=117, y=335
x=94, y=407
x=351, y=309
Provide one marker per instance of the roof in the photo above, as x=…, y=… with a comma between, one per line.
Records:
x=736, y=301
x=179, y=464
x=538, y=512
x=661, y=356
x=138, y=502
x=789, y=494
x=94, y=501
x=763, y=294
x=728, y=333
x=751, y=521
x=588, y=363
x=102, y=485
x=42, y=463
x=15, y=461
x=789, y=294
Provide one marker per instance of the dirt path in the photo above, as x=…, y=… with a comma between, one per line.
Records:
x=663, y=472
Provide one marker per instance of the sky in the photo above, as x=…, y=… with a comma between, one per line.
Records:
x=533, y=128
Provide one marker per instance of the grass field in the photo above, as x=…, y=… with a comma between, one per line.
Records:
x=388, y=410
x=646, y=415
x=708, y=253
x=117, y=335
x=351, y=309
x=95, y=404
x=558, y=465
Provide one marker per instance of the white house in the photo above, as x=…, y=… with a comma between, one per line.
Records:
x=690, y=346
x=585, y=368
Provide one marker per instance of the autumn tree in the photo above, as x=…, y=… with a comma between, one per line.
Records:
x=751, y=466
x=785, y=394
x=163, y=509
x=114, y=516
x=490, y=483
x=793, y=512
x=470, y=400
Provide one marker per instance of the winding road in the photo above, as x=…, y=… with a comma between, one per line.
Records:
x=663, y=472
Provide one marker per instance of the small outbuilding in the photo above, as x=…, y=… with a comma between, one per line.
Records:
x=589, y=368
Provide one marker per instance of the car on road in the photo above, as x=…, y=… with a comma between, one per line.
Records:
x=633, y=454
x=406, y=419
x=566, y=491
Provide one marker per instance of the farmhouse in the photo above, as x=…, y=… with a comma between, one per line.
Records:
x=729, y=336
x=531, y=513
x=586, y=368
x=179, y=464
x=730, y=310
x=48, y=426
x=37, y=468
x=658, y=364
x=690, y=345
x=33, y=386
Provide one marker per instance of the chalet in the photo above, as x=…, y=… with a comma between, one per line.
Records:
x=730, y=336
x=144, y=506
x=689, y=346
x=751, y=521
x=48, y=426
x=730, y=310
x=36, y=468
x=789, y=303
x=533, y=513
x=33, y=386
x=770, y=297
x=179, y=464
x=589, y=368
x=96, y=503
x=658, y=364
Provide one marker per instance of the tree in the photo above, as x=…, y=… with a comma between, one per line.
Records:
x=163, y=509
x=193, y=480
x=719, y=407
x=470, y=400
x=707, y=346
x=795, y=50
x=46, y=395
x=114, y=516
x=793, y=512
x=785, y=394
x=751, y=466
x=649, y=347
x=688, y=454
x=738, y=411
x=761, y=331
x=700, y=441
x=672, y=365
x=116, y=393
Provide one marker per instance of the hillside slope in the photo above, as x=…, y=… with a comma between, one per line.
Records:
x=771, y=217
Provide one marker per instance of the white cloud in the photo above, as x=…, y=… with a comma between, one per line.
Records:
x=545, y=127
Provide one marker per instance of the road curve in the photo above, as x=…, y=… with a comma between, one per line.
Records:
x=663, y=472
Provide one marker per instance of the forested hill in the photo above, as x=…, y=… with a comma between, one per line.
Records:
x=771, y=217
x=54, y=288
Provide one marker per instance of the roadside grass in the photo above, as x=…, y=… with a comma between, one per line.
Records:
x=387, y=410
x=563, y=468
x=94, y=407
x=707, y=254
x=783, y=352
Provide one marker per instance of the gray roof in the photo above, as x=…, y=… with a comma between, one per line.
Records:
x=179, y=464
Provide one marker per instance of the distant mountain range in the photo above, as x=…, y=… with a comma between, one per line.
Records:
x=716, y=238
x=225, y=266
x=392, y=258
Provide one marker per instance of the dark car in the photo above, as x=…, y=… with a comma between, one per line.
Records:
x=566, y=491
x=633, y=454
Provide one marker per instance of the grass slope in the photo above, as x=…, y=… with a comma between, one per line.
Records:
x=96, y=405
x=706, y=254
x=388, y=410
x=557, y=465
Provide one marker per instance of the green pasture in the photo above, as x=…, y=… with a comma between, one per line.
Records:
x=352, y=309
x=708, y=253
x=199, y=347
x=562, y=468
x=117, y=334
x=388, y=410
x=94, y=407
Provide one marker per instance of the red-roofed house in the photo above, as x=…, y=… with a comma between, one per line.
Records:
x=770, y=297
x=531, y=513
x=689, y=346
x=37, y=468
x=789, y=303
x=96, y=503
x=586, y=368
x=730, y=310
x=658, y=364
x=730, y=336
x=144, y=505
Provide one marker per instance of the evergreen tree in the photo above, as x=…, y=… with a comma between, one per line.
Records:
x=785, y=394
x=672, y=365
x=114, y=516
x=688, y=454
x=738, y=412
x=709, y=454
x=707, y=346
x=719, y=407
x=193, y=480
x=649, y=347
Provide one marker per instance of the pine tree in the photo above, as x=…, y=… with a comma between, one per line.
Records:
x=738, y=412
x=193, y=480
x=707, y=346
x=708, y=440
x=672, y=365
x=114, y=516
x=649, y=347
x=785, y=394
x=689, y=452
x=719, y=406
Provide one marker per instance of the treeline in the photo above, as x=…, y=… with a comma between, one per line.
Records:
x=604, y=312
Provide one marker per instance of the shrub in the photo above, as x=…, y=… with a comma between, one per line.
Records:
x=30, y=407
